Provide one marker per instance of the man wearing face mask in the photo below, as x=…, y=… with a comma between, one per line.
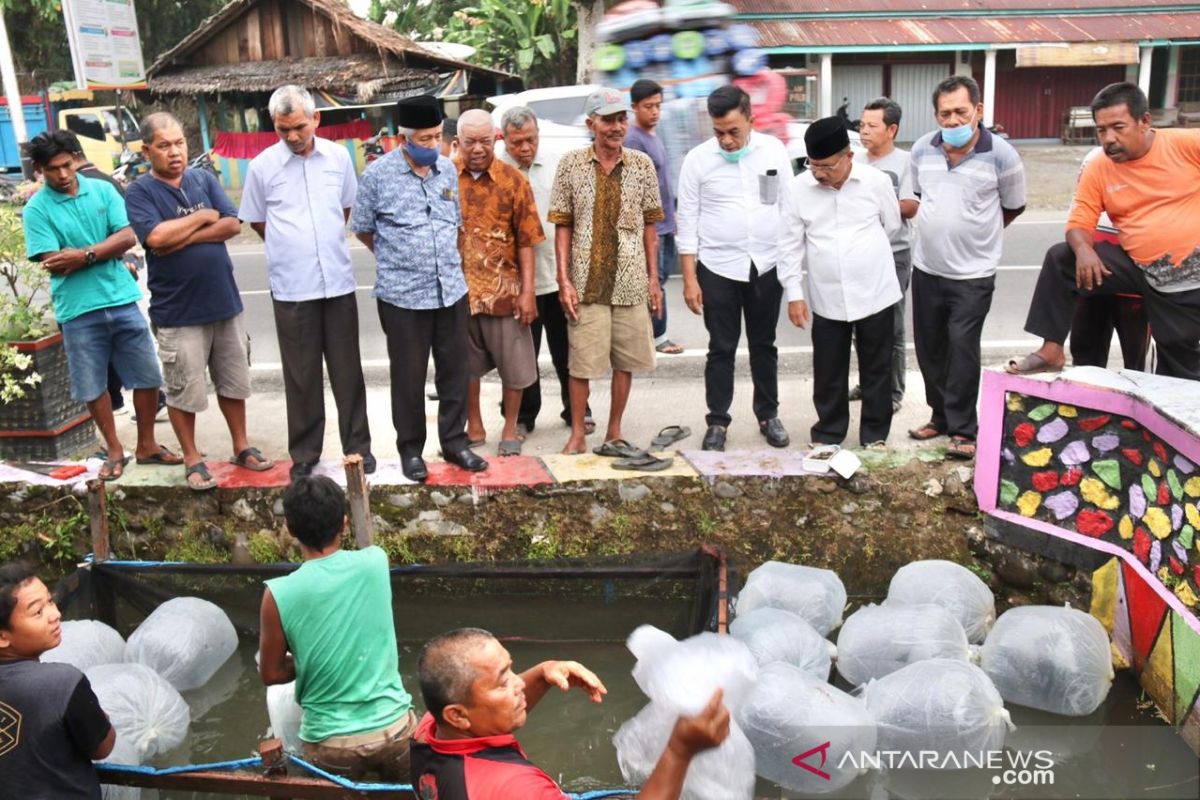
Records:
x=731, y=189
x=970, y=186
x=407, y=214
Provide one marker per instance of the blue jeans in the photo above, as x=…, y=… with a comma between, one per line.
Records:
x=667, y=258
x=118, y=334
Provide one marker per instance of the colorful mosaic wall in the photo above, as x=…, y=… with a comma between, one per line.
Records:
x=1107, y=477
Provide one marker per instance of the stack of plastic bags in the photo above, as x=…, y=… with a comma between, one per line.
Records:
x=816, y=595
x=773, y=634
x=878, y=640
x=951, y=586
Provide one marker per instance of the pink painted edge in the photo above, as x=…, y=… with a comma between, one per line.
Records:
x=1112, y=549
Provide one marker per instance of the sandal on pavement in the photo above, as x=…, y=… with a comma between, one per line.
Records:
x=670, y=435
x=163, y=457
x=960, y=448
x=643, y=463
x=926, y=432
x=668, y=348
x=206, y=481
x=1031, y=364
x=618, y=448
x=509, y=447
x=115, y=468
x=260, y=463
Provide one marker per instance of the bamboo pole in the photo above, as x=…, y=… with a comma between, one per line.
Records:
x=358, y=496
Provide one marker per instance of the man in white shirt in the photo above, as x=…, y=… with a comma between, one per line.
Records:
x=297, y=197
x=523, y=148
x=878, y=126
x=731, y=188
x=838, y=220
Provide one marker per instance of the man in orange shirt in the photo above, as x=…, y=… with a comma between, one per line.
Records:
x=1149, y=185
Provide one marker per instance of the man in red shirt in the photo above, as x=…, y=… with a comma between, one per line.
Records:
x=464, y=748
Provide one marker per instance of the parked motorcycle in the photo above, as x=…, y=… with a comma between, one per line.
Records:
x=373, y=147
x=851, y=124
x=130, y=167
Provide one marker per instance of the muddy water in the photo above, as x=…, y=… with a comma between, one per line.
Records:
x=1121, y=751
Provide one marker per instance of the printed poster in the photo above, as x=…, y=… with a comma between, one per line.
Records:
x=105, y=47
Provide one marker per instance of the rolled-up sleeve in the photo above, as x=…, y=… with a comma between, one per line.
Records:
x=562, y=209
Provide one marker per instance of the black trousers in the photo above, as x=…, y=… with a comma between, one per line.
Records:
x=312, y=331
x=1174, y=316
x=726, y=302
x=553, y=321
x=948, y=320
x=873, y=337
x=1092, y=330
x=411, y=336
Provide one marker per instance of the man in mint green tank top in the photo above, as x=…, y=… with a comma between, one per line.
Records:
x=328, y=626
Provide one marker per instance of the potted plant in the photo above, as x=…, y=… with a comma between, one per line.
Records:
x=38, y=419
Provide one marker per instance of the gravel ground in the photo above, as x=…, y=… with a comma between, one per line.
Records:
x=1050, y=172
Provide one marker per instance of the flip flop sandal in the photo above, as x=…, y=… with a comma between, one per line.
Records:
x=163, y=457
x=261, y=463
x=509, y=447
x=473, y=443
x=116, y=468
x=199, y=468
x=668, y=348
x=670, y=435
x=643, y=463
x=589, y=425
x=961, y=448
x=618, y=448
x=925, y=432
x=1031, y=364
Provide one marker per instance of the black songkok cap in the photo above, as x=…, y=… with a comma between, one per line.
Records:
x=826, y=137
x=417, y=113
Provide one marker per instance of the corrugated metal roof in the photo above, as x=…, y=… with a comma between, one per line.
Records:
x=923, y=6
x=930, y=32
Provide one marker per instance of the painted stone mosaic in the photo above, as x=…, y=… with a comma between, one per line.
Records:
x=1108, y=477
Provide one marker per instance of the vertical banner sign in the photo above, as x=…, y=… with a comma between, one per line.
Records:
x=105, y=48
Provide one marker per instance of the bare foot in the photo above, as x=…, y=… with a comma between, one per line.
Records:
x=576, y=445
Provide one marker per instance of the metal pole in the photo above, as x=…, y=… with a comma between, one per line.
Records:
x=826, y=84
x=1143, y=70
x=12, y=92
x=989, y=88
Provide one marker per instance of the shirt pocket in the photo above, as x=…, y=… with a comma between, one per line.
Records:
x=630, y=218
x=277, y=193
x=172, y=369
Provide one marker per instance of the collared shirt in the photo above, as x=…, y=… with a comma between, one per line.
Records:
x=897, y=167
x=722, y=217
x=961, y=220
x=415, y=222
x=840, y=238
x=541, y=178
x=499, y=217
x=607, y=214
x=54, y=221
x=302, y=200
x=652, y=145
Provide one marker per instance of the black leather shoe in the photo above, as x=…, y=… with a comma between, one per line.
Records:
x=301, y=469
x=414, y=469
x=774, y=432
x=714, y=438
x=368, y=464
x=467, y=459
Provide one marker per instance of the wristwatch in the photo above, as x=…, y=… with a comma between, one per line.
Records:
x=89, y=257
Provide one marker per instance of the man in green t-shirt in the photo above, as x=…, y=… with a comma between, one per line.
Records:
x=328, y=626
x=77, y=230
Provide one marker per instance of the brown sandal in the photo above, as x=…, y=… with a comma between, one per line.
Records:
x=926, y=432
x=961, y=448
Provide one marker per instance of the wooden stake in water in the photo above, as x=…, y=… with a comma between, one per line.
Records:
x=358, y=496
x=98, y=514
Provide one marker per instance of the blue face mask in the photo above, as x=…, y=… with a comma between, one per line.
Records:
x=736, y=155
x=958, y=137
x=422, y=156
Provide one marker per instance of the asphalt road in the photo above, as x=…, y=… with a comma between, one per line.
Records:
x=1024, y=244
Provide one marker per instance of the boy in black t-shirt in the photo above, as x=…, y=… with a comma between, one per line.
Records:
x=51, y=724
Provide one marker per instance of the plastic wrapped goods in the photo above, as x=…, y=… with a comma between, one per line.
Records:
x=682, y=676
x=87, y=643
x=878, y=640
x=185, y=640
x=773, y=634
x=285, y=715
x=789, y=714
x=150, y=717
x=951, y=586
x=945, y=706
x=723, y=773
x=817, y=595
x=1054, y=659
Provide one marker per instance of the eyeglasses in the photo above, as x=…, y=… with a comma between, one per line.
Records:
x=824, y=167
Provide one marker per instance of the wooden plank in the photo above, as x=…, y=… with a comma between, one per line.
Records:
x=321, y=35
x=98, y=514
x=242, y=36
x=272, y=30
x=307, y=23
x=232, y=52
x=293, y=13
x=254, y=36
x=244, y=783
x=358, y=497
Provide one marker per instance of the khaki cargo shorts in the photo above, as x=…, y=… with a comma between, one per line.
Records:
x=607, y=338
x=222, y=348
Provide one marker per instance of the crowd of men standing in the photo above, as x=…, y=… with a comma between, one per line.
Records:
x=481, y=256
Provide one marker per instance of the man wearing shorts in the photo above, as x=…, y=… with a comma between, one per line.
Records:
x=77, y=230
x=605, y=204
x=183, y=219
x=500, y=227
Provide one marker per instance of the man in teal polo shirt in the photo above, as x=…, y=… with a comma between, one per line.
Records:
x=328, y=626
x=77, y=229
